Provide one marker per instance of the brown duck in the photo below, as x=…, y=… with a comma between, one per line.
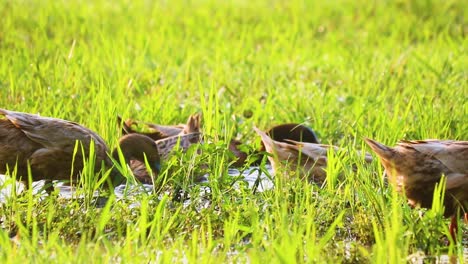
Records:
x=309, y=159
x=165, y=147
x=158, y=132
x=167, y=137
x=281, y=133
x=414, y=167
x=48, y=144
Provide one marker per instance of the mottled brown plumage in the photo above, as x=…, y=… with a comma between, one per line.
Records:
x=415, y=167
x=165, y=146
x=184, y=141
x=48, y=145
x=167, y=137
x=192, y=126
x=158, y=132
x=309, y=159
x=282, y=133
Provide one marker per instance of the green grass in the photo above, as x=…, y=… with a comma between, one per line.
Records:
x=349, y=69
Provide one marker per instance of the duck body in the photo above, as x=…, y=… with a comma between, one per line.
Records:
x=309, y=159
x=167, y=137
x=184, y=141
x=47, y=144
x=288, y=131
x=50, y=147
x=415, y=167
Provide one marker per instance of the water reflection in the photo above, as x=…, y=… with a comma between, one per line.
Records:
x=252, y=176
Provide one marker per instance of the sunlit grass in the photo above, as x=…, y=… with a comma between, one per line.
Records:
x=348, y=69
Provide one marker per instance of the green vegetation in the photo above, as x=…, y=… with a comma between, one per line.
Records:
x=349, y=69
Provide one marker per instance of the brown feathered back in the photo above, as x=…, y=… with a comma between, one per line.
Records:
x=48, y=146
x=310, y=164
x=167, y=137
x=415, y=167
x=39, y=140
x=184, y=141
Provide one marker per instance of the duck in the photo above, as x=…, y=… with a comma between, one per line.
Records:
x=165, y=148
x=192, y=126
x=167, y=137
x=47, y=145
x=414, y=167
x=289, y=131
x=309, y=159
x=282, y=132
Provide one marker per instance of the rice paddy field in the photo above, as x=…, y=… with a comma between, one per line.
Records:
x=386, y=70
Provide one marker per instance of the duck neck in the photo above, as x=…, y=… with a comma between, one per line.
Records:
x=136, y=147
x=116, y=177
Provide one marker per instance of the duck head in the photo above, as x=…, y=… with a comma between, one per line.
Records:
x=136, y=147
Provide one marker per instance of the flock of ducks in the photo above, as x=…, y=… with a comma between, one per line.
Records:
x=55, y=149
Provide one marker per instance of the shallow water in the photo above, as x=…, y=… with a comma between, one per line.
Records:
x=420, y=258
x=251, y=176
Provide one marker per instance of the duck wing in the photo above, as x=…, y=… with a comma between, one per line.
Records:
x=166, y=131
x=166, y=145
x=52, y=132
x=284, y=151
x=320, y=150
x=313, y=150
x=451, y=153
x=192, y=126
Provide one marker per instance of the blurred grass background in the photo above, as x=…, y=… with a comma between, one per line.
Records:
x=349, y=69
